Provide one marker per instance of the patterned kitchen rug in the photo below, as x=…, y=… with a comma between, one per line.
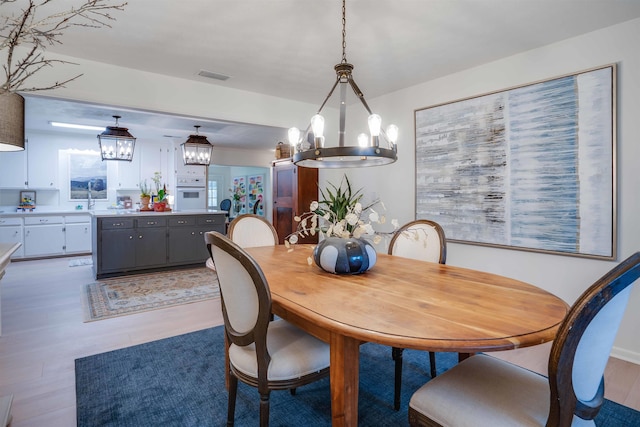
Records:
x=125, y=295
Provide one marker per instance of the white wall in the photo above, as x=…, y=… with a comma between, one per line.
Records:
x=564, y=276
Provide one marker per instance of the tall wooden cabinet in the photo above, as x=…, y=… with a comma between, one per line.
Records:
x=294, y=188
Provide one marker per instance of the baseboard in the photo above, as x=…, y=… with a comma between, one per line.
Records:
x=626, y=355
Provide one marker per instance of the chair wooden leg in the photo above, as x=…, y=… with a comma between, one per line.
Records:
x=264, y=409
x=432, y=363
x=292, y=391
x=396, y=354
x=231, y=408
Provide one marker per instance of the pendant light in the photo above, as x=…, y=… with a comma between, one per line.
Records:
x=11, y=122
x=377, y=148
x=116, y=143
x=196, y=150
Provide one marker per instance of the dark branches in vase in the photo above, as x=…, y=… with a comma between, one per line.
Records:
x=26, y=29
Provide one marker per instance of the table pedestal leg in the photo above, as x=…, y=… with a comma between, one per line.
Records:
x=345, y=361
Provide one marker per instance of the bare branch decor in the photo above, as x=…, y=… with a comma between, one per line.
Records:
x=25, y=28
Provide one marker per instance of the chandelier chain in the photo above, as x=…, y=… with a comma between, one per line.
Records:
x=344, y=32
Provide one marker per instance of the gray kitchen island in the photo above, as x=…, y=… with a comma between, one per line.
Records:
x=136, y=242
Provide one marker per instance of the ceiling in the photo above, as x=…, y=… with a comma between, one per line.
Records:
x=288, y=48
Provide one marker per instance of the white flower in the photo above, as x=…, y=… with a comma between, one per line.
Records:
x=395, y=223
x=293, y=239
x=373, y=216
x=314, y=206
x=357, y=209
x=351, y=218
x=368, y=229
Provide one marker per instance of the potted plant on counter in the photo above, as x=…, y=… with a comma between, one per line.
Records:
x=160, y=203
x=145, y=196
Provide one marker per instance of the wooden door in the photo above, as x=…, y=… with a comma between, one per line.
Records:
x=294, y=189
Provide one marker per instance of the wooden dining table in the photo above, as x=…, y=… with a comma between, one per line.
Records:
x=403, y=303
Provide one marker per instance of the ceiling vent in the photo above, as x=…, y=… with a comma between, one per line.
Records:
x=212, y=75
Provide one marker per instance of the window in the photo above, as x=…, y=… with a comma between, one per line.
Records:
x=212, y=194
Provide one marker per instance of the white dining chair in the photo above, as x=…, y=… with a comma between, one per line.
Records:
x=268, y=355
x=249, y=230
x=487, y=391
x=423, y=240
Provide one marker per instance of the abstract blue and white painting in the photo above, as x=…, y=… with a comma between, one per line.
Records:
x=528, y=168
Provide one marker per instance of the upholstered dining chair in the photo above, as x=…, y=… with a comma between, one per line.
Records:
x=424, y=240
x=225, y=205
x=486, y=391
x=249, y=230
x=268, y=355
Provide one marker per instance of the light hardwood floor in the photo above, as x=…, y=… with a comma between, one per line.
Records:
x=43, y=333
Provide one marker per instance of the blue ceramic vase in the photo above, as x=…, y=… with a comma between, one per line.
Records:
x=344, y=256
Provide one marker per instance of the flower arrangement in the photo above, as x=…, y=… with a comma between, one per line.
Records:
x=340, y=213
x=161, y=192
x=236, y=194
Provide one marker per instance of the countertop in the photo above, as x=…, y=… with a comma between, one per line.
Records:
x=6, y=250
x=106, y=212
x=43, y=213
x=125, y=212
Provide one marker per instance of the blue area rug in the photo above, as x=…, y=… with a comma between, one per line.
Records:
x=179, y=381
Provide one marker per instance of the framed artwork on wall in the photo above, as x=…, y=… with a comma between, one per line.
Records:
x=27, y=198
x=255, y=194
x=85, y=169
x=528, y=168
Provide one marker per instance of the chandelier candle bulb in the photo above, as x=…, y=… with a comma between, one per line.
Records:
x=363, y=140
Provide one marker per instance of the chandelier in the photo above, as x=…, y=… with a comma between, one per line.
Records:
x=196, y=150
x=310, y=148
x=116, y=143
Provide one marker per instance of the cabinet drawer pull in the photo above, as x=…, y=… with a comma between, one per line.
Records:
x=182, y=222
x=44, y=220
x=193, y=233
x=140, y=237
x=130, y=237
x=152, y=222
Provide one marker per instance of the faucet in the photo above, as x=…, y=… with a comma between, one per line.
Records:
x=90, y=202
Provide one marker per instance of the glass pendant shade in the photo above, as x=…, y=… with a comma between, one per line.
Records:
x=116, y=143
x=197, y=150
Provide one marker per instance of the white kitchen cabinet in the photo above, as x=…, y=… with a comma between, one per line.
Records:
x=77, y=234
x=43, y=236
x=11, y=231
x=155, y=158
x=42, y=159
x=129, y=172
x=13, y=165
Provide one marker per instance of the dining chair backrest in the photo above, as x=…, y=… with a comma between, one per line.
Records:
x=250, y=231
x=583, y=344
x=245, y=295
x=421, y=239
x=225, y=205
